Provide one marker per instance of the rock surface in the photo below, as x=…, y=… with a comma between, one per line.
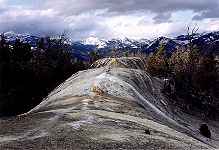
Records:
x=116, y=105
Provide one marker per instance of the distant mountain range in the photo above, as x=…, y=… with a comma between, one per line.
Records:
x=25, y=38
x=208, y=42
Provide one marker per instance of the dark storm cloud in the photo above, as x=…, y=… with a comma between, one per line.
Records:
x=213, y=13
x=162, y=17
x=35, y=27
x=83, y=26
x=123, y=6
x=93, y=17
x=22, y=21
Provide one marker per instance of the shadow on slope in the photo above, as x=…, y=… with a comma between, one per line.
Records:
x=115, y=105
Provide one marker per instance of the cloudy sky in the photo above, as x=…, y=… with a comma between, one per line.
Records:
x=108, y=18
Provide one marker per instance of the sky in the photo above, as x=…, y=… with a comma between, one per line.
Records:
x=108, y=19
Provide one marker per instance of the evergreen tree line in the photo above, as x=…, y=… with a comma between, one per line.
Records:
x=28, y=75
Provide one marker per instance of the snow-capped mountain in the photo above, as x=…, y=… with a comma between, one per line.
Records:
x=114, y=43
x=170, y=45
x=94, y=41
x=25, y=38
x=81, y=49
x=204, y=38
x=105, y=47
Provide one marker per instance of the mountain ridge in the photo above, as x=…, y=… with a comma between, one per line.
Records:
x=81, y=49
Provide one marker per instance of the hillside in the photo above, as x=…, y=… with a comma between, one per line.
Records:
x=114, y=105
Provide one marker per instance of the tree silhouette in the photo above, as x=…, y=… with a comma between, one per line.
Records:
x=27, y=76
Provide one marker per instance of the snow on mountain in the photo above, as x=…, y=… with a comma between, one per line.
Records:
x=170, y=45
x=115, y=43
x=81, y=49
x=130, y=42
x=94, y=41
x=25, y=38
x=144, y=41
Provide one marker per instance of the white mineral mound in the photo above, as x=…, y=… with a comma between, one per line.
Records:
x=116, y=105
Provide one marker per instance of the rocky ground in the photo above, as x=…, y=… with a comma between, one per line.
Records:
x=115, y=105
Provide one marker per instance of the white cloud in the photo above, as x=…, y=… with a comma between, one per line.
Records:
x=2, y=2
x=33, y=21
x=108, y=18
x=134, y=26
x=213, y=25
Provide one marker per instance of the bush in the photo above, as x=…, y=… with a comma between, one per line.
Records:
x=195, y=79
x=157, y=64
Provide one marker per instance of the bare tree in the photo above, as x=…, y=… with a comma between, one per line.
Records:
x=191, y=33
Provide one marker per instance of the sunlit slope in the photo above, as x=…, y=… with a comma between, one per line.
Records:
x=115, y=105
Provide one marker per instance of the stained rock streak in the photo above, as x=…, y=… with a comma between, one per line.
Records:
x=107, y=107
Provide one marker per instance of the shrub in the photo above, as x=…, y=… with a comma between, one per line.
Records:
x=195, y=79
x=157, y=64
